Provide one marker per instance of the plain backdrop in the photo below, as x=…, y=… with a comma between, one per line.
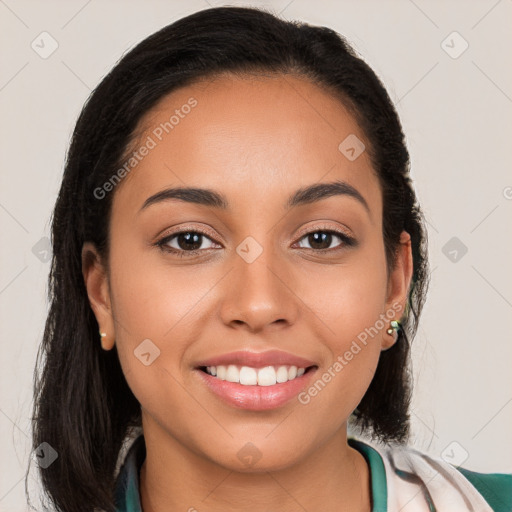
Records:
x=446, y=66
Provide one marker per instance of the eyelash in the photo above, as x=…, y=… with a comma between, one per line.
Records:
x=347, y=241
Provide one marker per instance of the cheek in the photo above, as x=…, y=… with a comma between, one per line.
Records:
x=157, y=321
x=158, y=303
x=156, y=309
x=350, y=299
x=350, y=304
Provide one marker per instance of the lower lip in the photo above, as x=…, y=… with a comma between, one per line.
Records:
x=256, y=398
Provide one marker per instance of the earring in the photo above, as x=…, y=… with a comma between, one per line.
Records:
x=395, y=327
x=103, y=336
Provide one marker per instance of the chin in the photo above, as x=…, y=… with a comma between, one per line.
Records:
x=258, y=456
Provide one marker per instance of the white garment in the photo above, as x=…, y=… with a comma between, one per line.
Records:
x=449, y=490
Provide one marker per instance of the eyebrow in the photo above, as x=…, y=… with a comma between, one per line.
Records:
x=300, y=197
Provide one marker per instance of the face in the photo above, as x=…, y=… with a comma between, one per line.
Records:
x=266, y=275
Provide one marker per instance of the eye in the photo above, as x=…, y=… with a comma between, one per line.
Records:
x=190, y=242
x=320, y=240
x=183, y=242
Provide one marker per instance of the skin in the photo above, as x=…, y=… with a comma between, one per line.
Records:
x=256, y=140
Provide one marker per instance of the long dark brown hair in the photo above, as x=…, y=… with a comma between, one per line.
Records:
x=82, y=403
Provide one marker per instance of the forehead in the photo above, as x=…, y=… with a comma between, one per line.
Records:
x=253, y=136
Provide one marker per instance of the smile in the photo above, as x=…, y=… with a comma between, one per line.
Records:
x=262, y=391
x=248, y=376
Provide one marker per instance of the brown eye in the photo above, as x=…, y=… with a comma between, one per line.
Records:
x=321, y=240
x=183, y=242
x=189, y=241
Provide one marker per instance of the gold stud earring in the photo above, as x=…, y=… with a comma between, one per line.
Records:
x=395, y=327
x=103, y=336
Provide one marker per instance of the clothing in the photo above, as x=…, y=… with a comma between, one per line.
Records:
x=402, y=480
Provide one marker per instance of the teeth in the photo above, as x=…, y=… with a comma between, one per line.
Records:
x=247, y=376
x=220, y=372
x=233, y=374
x=282, y=374
x=267, y=376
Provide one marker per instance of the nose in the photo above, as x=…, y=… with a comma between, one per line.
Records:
x=259, y=295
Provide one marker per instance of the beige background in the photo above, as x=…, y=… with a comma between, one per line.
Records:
x=457, y=117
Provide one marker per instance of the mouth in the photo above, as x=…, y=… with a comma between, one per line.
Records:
x=267, y=394
x=255, y=381
x=251, y=376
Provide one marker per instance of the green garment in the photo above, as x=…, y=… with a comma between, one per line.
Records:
x=496, y=488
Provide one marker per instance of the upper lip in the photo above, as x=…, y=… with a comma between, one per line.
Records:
x=258, y=359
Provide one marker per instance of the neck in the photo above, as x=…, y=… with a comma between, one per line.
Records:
x=334, y=477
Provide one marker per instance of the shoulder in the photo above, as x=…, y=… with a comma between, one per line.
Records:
x=425, y=482
x=445, y=485
x=496, y=488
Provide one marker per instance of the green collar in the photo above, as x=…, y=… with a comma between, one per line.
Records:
x=127, y=498
x=377, y=474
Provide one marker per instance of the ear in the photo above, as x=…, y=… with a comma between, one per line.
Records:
x=98, y=291
x=398, y=283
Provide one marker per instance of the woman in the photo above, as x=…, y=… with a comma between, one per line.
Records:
x=239, y=261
